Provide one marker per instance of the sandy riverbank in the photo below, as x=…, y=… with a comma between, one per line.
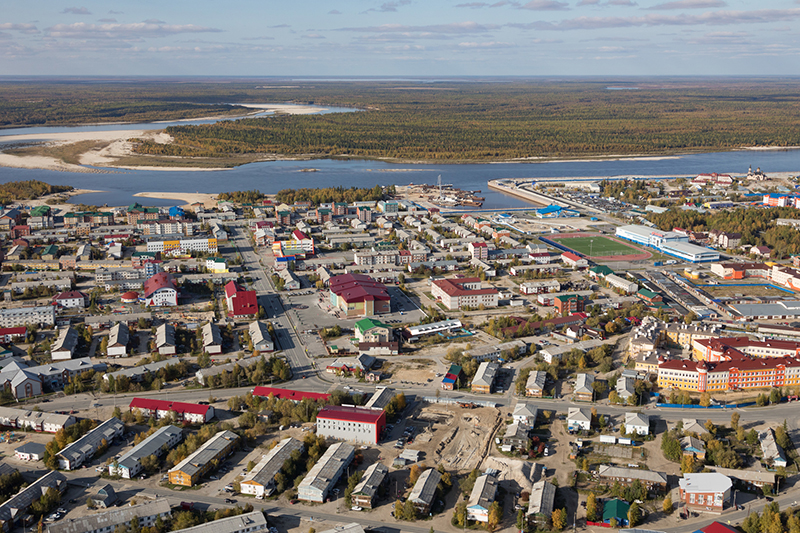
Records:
x=208, y=200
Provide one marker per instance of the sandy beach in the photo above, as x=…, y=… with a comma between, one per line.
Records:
x=208, y=200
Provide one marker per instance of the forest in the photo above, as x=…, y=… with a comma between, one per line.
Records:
x=331, y=194
x=437, y=121
x=28, y=190
x=757, y=226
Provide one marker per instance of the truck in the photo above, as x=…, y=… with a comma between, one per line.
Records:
x=608, y=439
x=626, y=442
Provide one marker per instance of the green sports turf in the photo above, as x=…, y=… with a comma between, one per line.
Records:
x=602, y=246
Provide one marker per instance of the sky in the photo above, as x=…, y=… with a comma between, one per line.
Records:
x=364, y=38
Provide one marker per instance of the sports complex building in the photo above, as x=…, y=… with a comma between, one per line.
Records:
x=668, y=242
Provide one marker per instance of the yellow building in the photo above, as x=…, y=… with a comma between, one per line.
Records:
x=189, y=471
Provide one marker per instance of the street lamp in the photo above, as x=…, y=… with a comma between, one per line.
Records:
x=591, y=247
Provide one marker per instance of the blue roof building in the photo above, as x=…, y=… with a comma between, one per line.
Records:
x=176, y=212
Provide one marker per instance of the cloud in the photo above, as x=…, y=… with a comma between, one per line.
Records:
x=154, y=21
x=4, y=35
x=588, y=3
x=688, y=4
x=139, y=30
x=546, y=5
x=112, y=12
x=713, y=18
x=453, y=28
x=473, y=5
x=389, y=7
x=76, y=11
x=280, y=26
x=622, y=3
x=22, y=28
x=313, y=36
x=486, y=45
x=107, y=20
x=263, y=38
x=334, y=12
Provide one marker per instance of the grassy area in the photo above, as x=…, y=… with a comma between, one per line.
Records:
x=595, y=246
x=68, y=153
x=754, y=290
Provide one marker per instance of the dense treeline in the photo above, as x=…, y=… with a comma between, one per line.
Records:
x=28, y=190
x=757, y=226
x=331, y=194
x=241, y=197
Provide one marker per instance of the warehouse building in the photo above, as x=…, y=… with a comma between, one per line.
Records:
x=483, y=495
x=366, y=492
x=424, y=492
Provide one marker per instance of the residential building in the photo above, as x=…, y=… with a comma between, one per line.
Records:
x=483, y=494
x=261, y=338
x=189, y=471
x=184, y=412
x=626, y=387
x=483, y=380
x=137, y=373
x=424, y=492
x=65, y=344
x=244, y=523
x=71, y=299
x=241, y=303
x=161, y=290
x=463, y=292
x=16, y=507
x=655, y=482
x=739, y=373
x=8, y=335
x=365, y=493
x=289, y=394
x=747, y=479
x=204, y=374
x=525, y=413
x=30, y=382
x=579, y=418
x=165, y=339
x=536, y=382
x=84, y=448
x=212, y=339
x=454, y=378
x=130, y=464
x=353, y=424
x=584, y=387
x=359, y=295
x=692, y=425
x=118, y=339
x=540, y=286
x=694, y=447
x=260, y=481
x=705, y=491
x=574, y=260
x=381, y=398
x=567, y=304
x=371, y=330
x=34, y=420
x=145, y=514
x=516, y=437
x=771, y=451
x=637, y=423
x=478, y=250
x=325, y=473
x=30, y=451
x=183, y=246
x=540, y=504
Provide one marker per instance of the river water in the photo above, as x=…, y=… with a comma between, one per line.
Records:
x=270, y=177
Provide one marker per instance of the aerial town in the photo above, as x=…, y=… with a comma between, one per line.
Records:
x=619, y=355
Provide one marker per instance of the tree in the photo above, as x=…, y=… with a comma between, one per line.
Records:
x=521, y=520
x=774, y=396
x=705, y=399
x=667, y=506
x=409, y=511
x=585, y=464
x=735, y=421
x=559, y=519
x=634, y=515
x=691, y=317
x=495, y=515
x=413, y=474
x=687, y=464
x=752, y=437
x=591, y=507
x=613, y=397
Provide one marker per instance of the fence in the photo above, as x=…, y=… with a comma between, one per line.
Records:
x=561, y=247
x=693, y=406
x=451, y=401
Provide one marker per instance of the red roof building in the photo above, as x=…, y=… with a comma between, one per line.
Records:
x=729, y=348
x=189, y=412
x=359, y=295
x=9, y=334
x=463, y=292
x=161, y=290
x=130, y=297
x=71, y=299
x=360, y=425
x=288, y=394
x=240, y=302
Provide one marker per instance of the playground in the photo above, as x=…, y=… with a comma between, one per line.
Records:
x=600, y=247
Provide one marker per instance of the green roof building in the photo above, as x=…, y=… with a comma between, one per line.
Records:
x=618, y=509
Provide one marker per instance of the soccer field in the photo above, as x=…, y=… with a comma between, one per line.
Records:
x=598, y=246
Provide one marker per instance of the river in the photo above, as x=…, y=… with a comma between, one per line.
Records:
x=270, y=177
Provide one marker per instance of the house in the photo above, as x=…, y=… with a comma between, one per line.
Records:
x=212, y=339
x=260, y=481
x=525, y=413
x=540, y=504
x=574, y=260
x=30, y=451
x=71, y=300
x=161, y=290
x=353, y=424
x=371, y=330
x=516, y=436
x=290, y=281
x=584, y=387
x=8, y=335
x=325, y=473
x=616, y=510
x=772, y=453
x=483, y=494
x=536, y=382
x=118, y=340
x=654, y=481
x=25, y=384
x=626, y=387
x=694, y=447
x=705, y=491
x=483, y=380
x=424, y=492
x=761, y=251
x=366, y=492
x=130, y=464
x=189, y=471
x=74, y=455
x=691, y=425
x=579, y=418
x=189, y=412
x=106, y=497
x=261, y=338
x=65, y=344
x=241, y=303
x=637, y=423
x=165, y=339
